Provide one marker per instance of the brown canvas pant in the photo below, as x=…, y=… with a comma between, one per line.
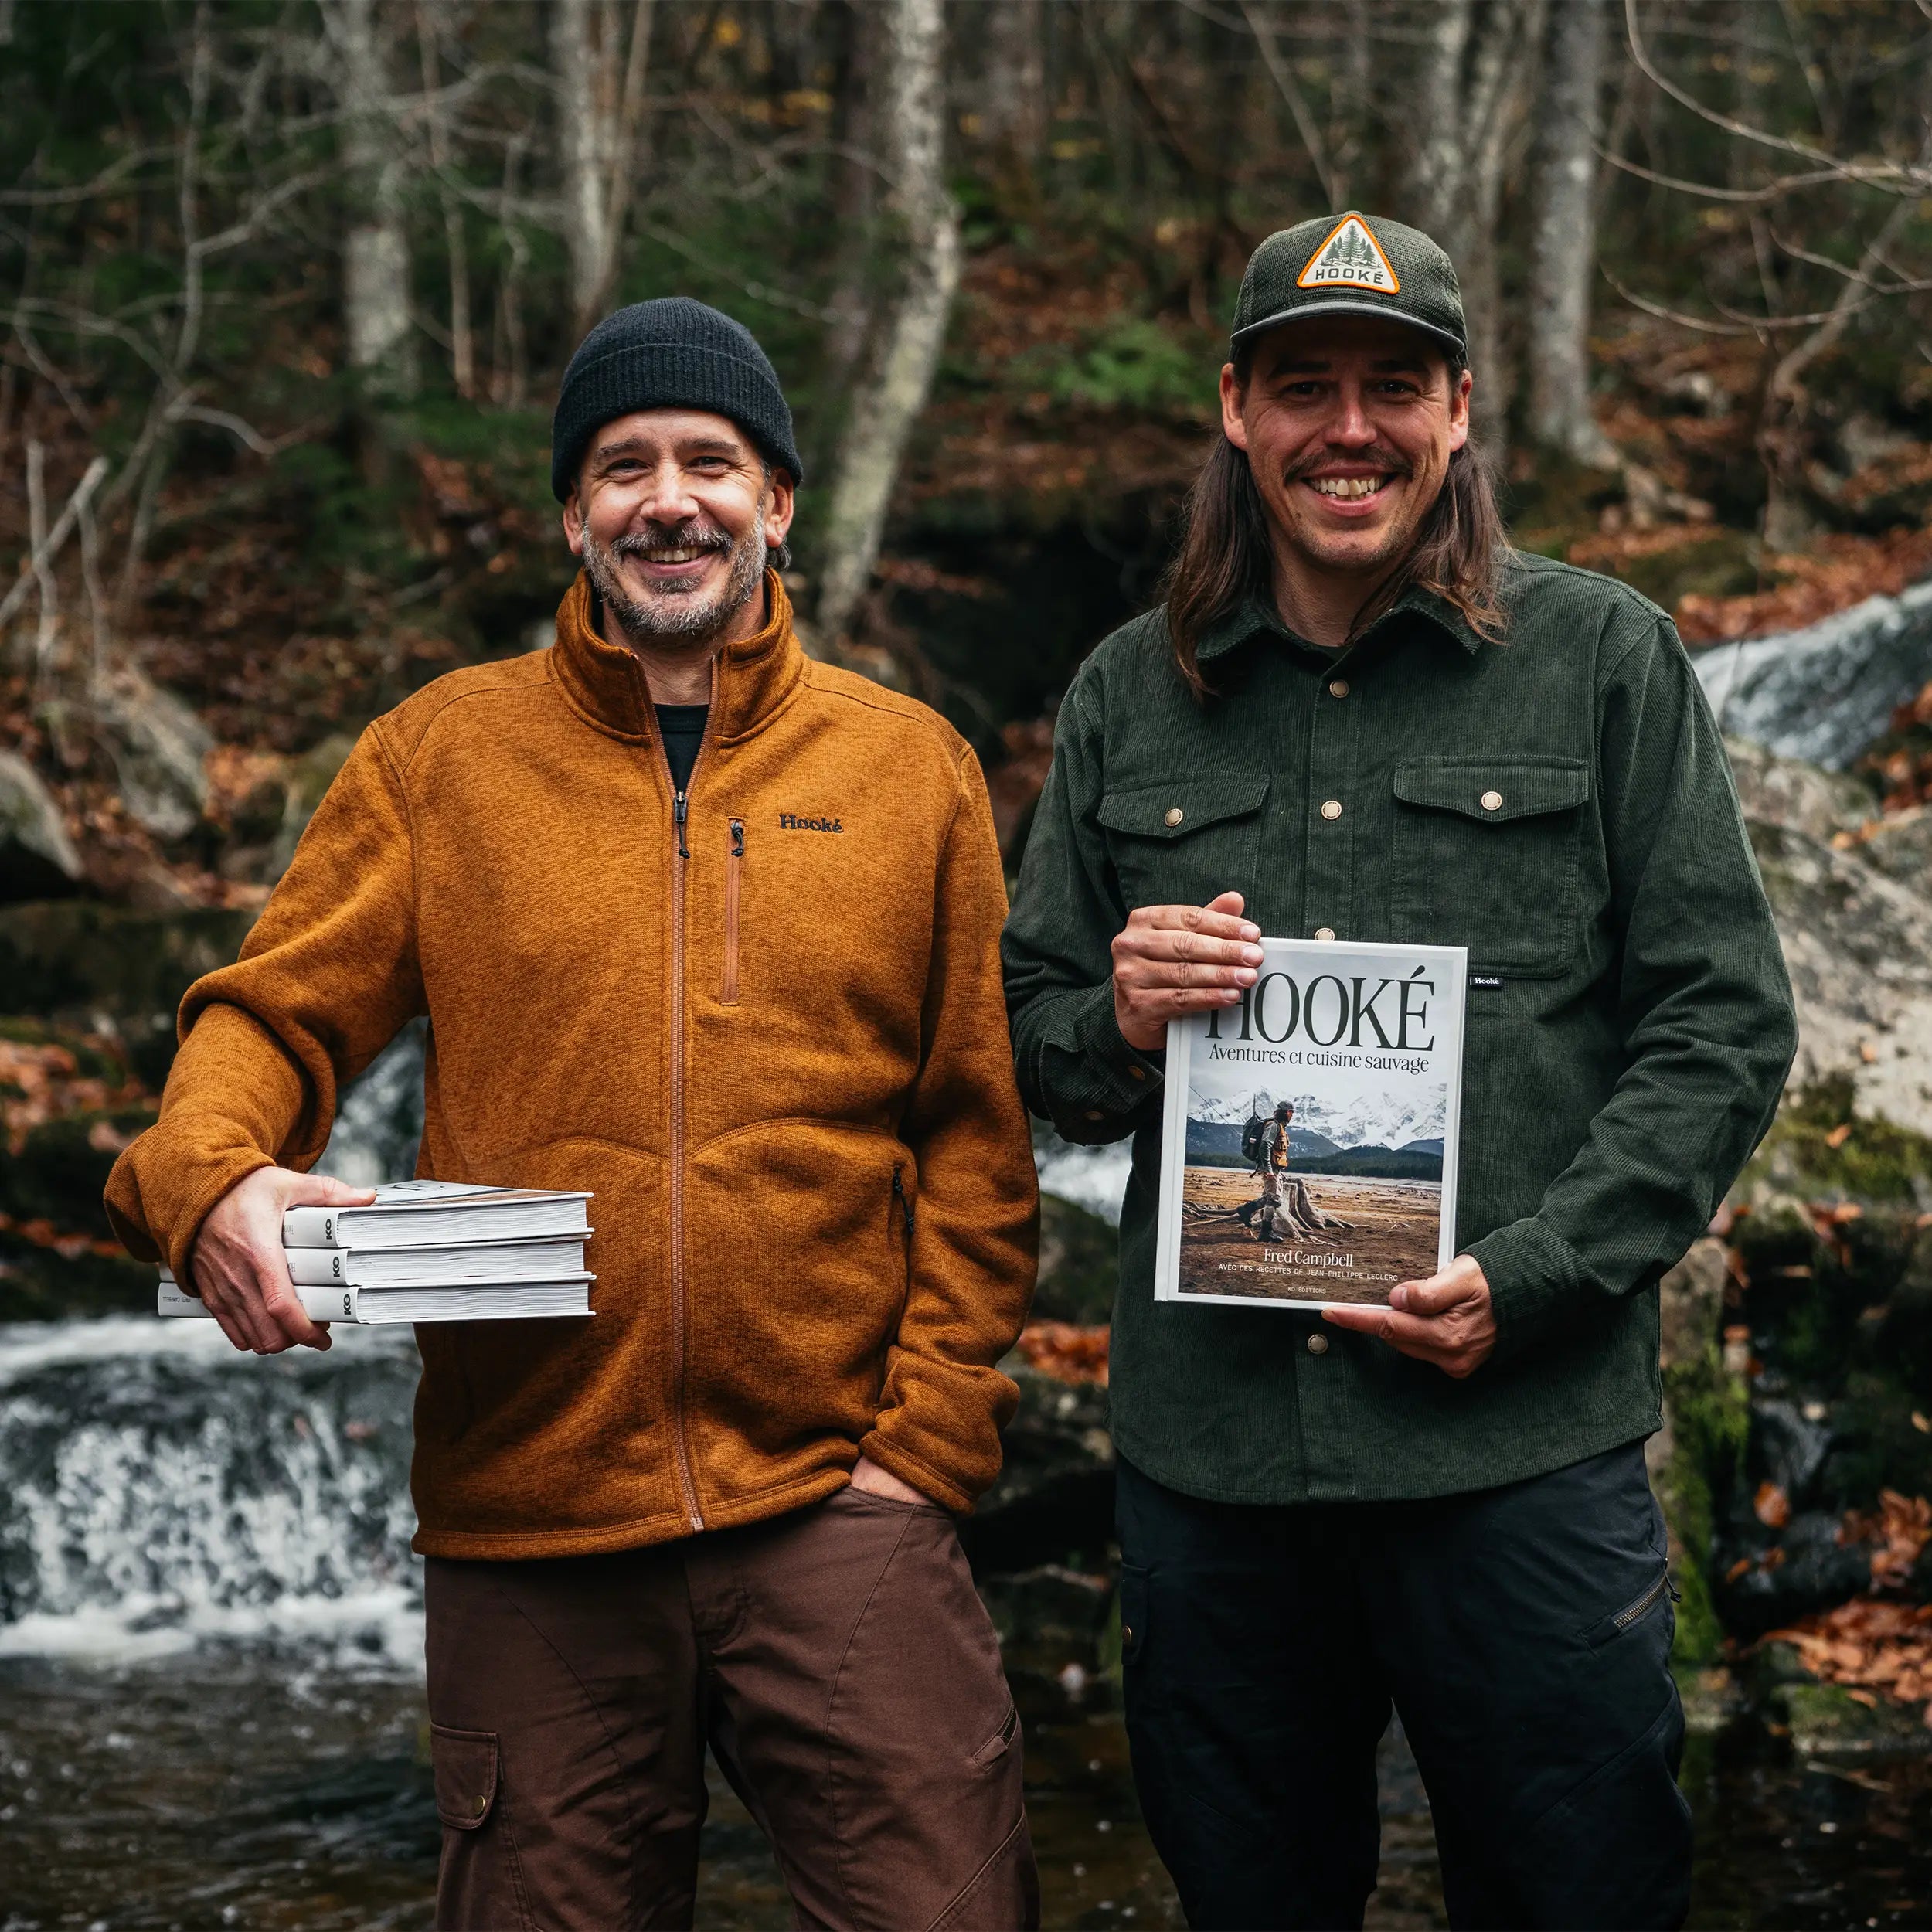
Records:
x=837, y=1661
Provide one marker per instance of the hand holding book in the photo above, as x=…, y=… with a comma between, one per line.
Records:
x=1172, y=960
x=238, y=1266
x=1448, y=1321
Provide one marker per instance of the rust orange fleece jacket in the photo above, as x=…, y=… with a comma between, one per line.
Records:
x=776, y=1053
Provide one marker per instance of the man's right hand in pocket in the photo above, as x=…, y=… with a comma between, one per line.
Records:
x=237, y=1266
x=1172, y=960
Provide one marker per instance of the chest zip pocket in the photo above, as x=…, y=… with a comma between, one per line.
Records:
x=734, y=887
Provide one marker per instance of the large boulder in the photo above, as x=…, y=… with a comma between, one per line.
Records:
x=160, y=748
x=37, y=858
x=1824, y=693
x=1857, y=938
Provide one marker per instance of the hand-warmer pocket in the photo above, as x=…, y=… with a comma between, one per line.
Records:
x=1487, y=855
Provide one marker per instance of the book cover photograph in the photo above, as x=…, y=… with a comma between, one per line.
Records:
x=1308, y=1147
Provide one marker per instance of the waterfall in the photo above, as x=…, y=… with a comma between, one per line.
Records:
x=162, y=1489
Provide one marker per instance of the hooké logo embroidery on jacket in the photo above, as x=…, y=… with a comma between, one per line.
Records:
x=792, y=821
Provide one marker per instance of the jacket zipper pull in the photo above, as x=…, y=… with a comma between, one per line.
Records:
x=737, y=838
x=678, y=805
x=905, y=1202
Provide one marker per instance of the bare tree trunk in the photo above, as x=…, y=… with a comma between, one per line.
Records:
x=462, y=336
x=599, y=104
x=1472, y=89
x=1562, y=256
x=1349, y=97
x=1013, y=120
x=376, y=254
x=855, y=198
x=888, y=402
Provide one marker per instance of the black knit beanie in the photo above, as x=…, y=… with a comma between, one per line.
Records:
x=673, y=353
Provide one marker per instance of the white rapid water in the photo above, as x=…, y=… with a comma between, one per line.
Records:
x=161, y=1489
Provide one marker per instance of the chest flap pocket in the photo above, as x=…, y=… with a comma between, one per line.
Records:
x=1487, y=854
x=1185, y=840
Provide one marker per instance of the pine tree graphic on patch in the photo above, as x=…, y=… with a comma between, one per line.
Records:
x=1350, y=257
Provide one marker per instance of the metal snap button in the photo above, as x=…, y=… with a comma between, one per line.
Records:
x=1331, y=808
x=1127, y=1633
x=1318, y=1344
x=1324, y=932
x=1492, y=801
x=1338, y=687
x=1137, y=1073
x=1172, y=816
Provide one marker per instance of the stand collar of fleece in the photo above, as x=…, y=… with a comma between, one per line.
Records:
x=606, y=681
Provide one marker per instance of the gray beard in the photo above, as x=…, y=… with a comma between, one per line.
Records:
x=679, y=616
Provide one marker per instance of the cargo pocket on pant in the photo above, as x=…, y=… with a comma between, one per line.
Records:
x=465, y=1764
x=479, y=1886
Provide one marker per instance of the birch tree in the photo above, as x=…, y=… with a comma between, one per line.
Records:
x=1472, y=85
x=375, y=249
x=888, y=400
x=1562, y=256
x=600, y=89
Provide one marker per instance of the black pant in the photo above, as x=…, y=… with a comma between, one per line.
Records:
x=1523, y=1634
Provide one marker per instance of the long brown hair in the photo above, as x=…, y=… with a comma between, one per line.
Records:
x=1227, y=555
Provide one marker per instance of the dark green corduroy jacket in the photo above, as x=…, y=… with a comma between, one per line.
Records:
x=1629, y=1022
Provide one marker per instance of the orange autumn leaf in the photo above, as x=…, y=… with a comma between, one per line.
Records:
x=1066, y=1351
x=1772, y=1507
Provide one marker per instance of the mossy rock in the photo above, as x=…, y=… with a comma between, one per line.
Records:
x=40, y=1284
x=77, y=956
x=62, y=1168
x=1709, y=1426
x=1827, y=1721
x=1078, y=1264
x=1820, y=1147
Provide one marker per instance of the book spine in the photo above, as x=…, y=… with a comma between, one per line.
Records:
x=311, y=1227
x=319, y=1267
x=319, y=1303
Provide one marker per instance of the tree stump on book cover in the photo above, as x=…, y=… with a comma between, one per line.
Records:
x=1295, y=1214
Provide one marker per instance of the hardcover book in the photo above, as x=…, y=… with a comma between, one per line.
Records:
x=1308, y=1147
x=439, y=1213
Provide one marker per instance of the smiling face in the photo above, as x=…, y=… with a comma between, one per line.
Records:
x=1348, y=423
x=673, y=513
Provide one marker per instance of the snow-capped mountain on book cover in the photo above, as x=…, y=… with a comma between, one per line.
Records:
x=1308, y=1150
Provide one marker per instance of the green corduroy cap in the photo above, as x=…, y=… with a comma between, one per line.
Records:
x=1351, y=264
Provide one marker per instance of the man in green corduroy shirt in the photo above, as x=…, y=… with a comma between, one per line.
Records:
x=1357, y=714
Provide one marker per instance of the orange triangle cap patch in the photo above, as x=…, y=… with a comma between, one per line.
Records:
x=1349, y=257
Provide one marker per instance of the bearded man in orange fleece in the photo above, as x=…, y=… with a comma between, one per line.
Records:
x=674, y=898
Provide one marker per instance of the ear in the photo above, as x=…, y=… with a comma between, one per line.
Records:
x=1459, y=411
x=573, y=524
x=1232, y=427
x=782, y=506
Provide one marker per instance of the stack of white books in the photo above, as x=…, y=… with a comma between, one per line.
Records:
x=433, y=1251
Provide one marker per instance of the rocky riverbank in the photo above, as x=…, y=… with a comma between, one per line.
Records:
x=1798, y=1337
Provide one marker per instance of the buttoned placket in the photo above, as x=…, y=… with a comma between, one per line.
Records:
x=1324, y=1374
x=1328, y=813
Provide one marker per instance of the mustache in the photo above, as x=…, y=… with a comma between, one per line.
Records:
x=1386, y=460
x=696, y=536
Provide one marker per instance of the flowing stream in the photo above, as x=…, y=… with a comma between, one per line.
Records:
x=211, y=1702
